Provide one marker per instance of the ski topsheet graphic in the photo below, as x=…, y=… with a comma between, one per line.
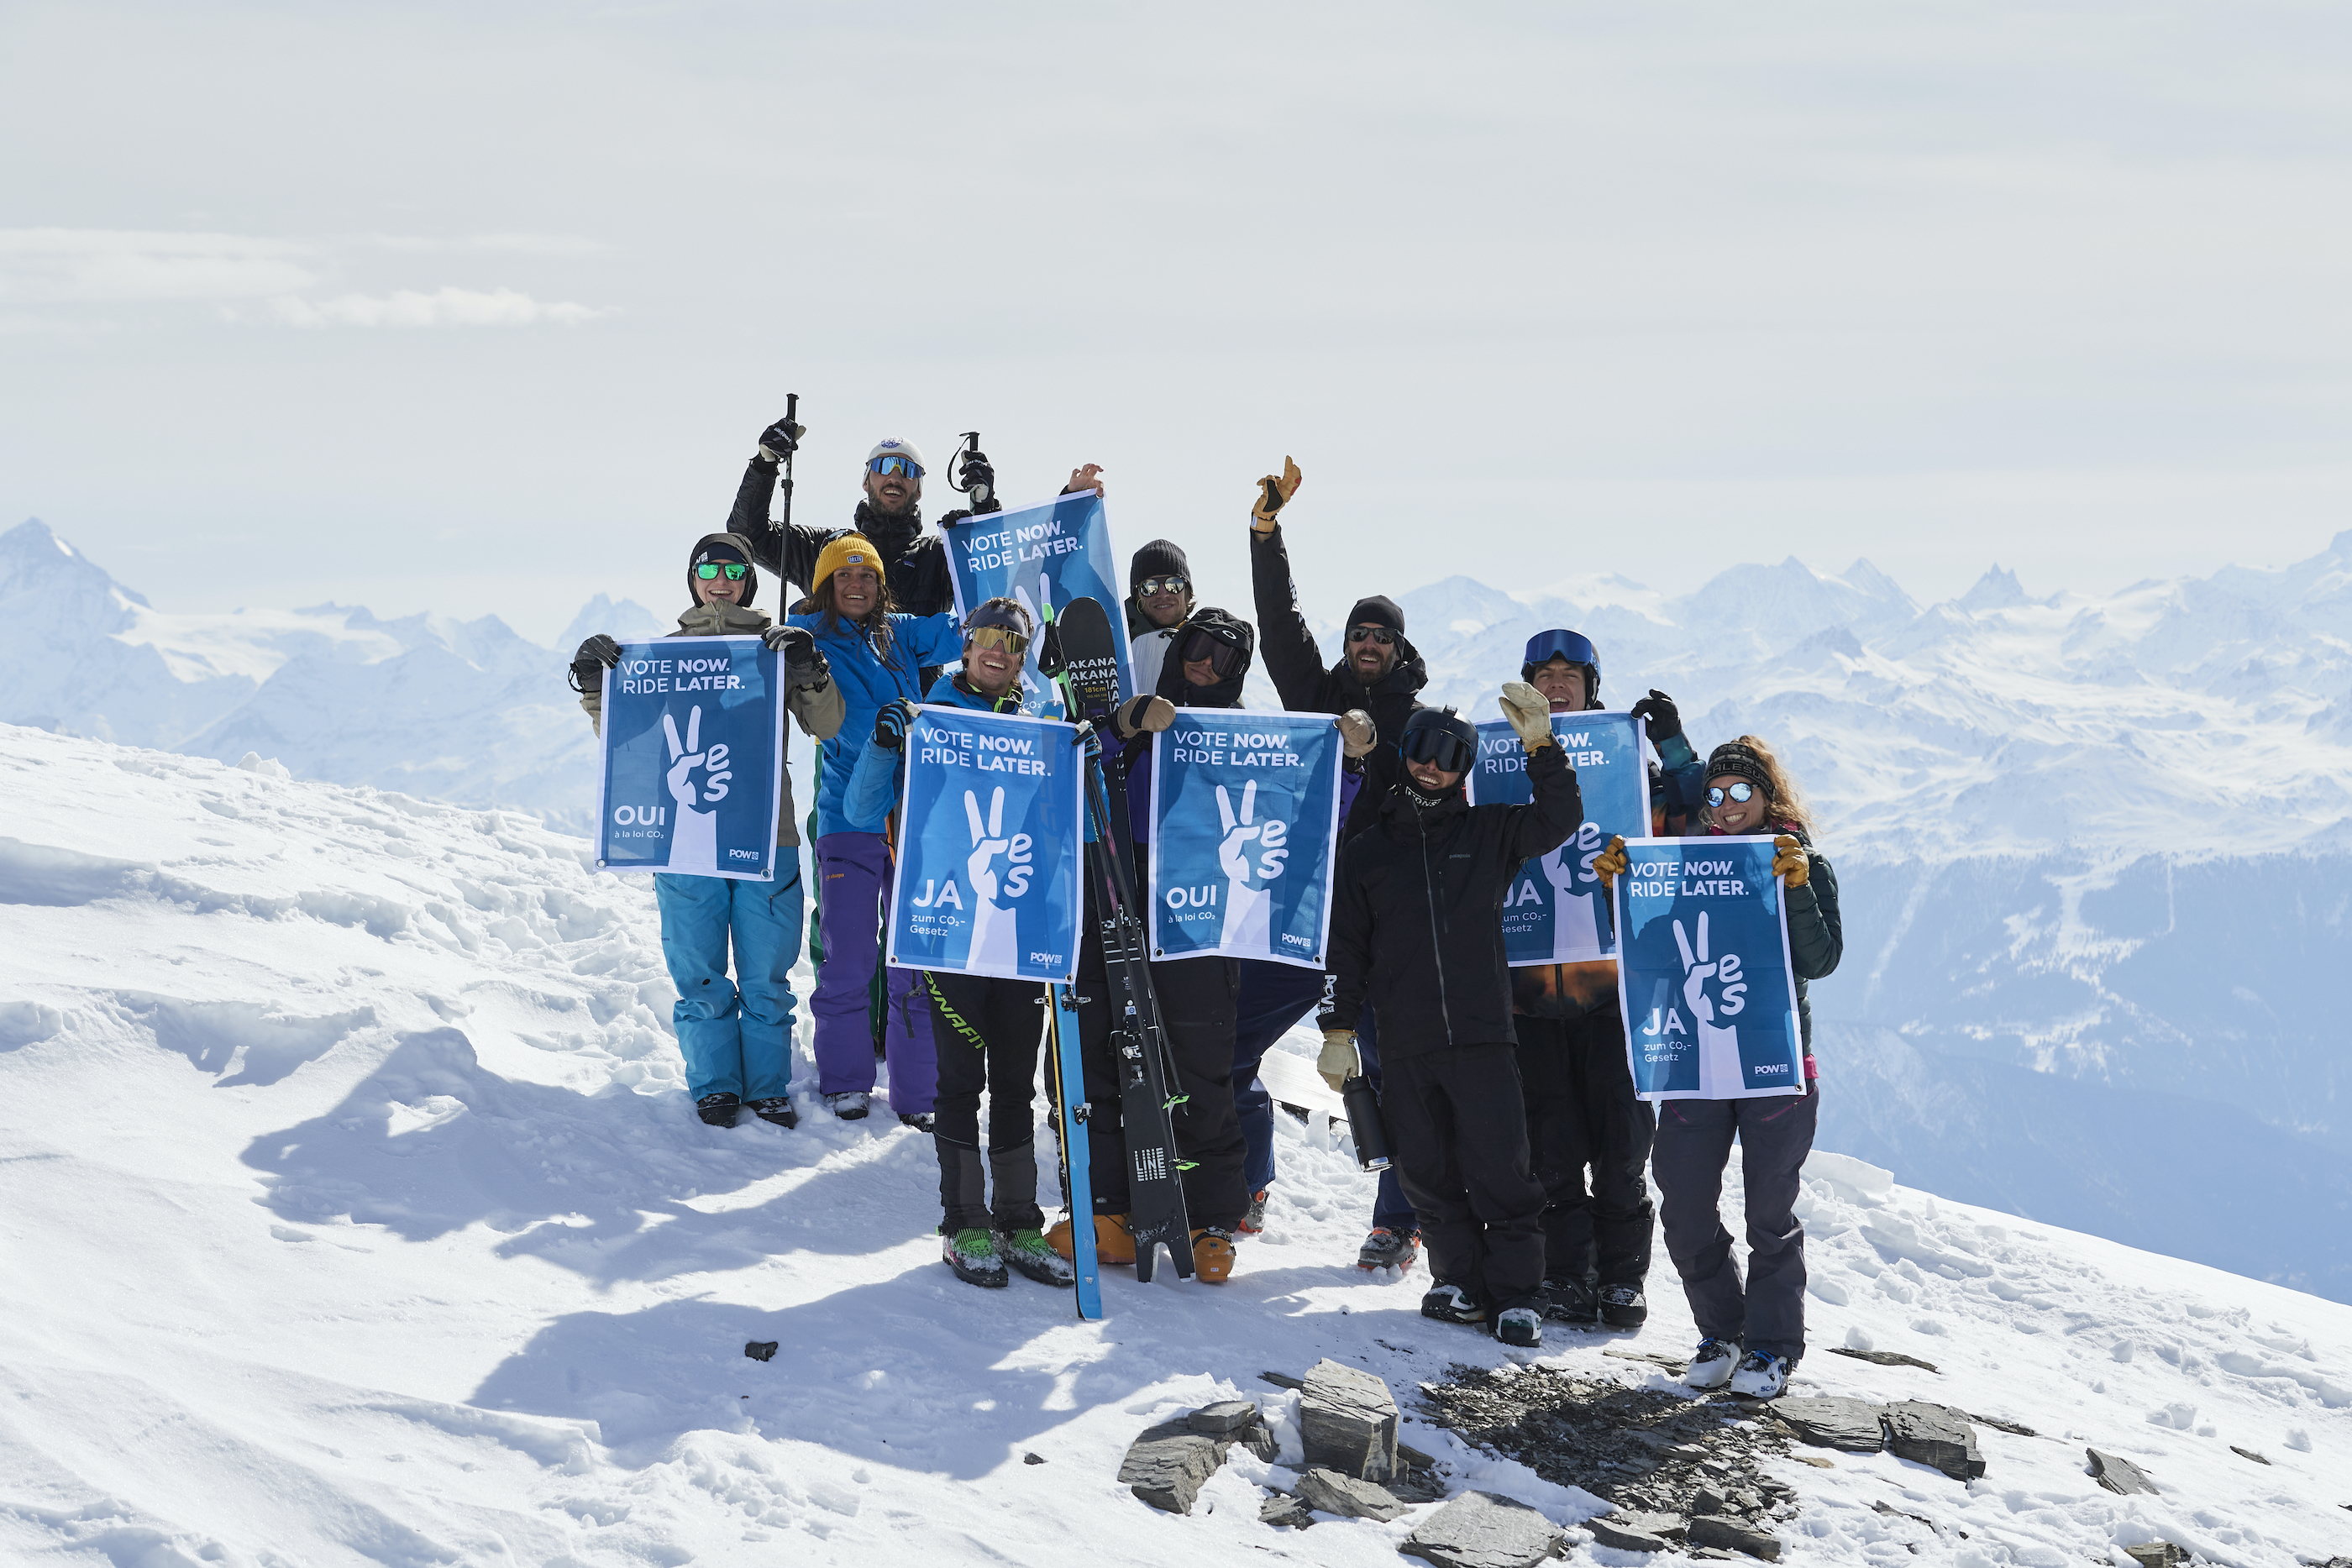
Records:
x=1703, y=980
x=987, y=875
x=1557, y=912
x=1047, y=557
x=1244, y=808
x=693, y=758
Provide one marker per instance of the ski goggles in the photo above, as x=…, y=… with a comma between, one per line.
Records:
x=994, y=638
x=1381, y=635
x=709, y=570
x=1742, y=792
x=1223, y=656
x=1151, y=586
x=1546, y=646
x=1442, y=749
x=895, y=465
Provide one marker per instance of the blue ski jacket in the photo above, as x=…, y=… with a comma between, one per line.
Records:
x=867, y=679
x=878, y=779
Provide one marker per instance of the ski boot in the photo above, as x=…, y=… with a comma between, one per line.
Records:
x=973, y=1255
x=1113, y=1244
x=1569, y=1302
x=850, y=1104
x=1520, y=1326
x=1623, y=1306
x=1212, y=1255
x=1453, y=1304
x=719, y=1110
x=1762, y=1375
x=1253, y=1216
x=1031, y=1254
x=777, y=1109
x=1711, y=1364
x=918, y=1120
x=1387, y=1249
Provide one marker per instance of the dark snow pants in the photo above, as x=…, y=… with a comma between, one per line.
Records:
x=988, y=1031
x=1459, y=1129
x=1196, y=1004
x=1776, y=1133
x=1581, y=1112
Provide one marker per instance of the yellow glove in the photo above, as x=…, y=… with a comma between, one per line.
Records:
x=1273, y=495
x=1529, y=713
x=1355, y=732
x=1611, y=863
x=1791, y=863
x=1338, y=1061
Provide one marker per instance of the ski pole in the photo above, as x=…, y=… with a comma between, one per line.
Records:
x=791, y=419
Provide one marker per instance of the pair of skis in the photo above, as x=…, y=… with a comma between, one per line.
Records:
x=1081, y=653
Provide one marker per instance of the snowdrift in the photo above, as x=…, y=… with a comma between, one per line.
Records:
x=354, y=1213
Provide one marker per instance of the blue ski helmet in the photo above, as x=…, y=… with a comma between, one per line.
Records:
x=1573, y=646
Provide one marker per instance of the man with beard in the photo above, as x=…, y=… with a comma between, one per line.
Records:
x=1376, y=678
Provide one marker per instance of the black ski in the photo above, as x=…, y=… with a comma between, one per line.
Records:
x=1086, y=654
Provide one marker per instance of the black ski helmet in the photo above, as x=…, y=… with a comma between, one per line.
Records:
x=1442, y=736
x=1573, y=646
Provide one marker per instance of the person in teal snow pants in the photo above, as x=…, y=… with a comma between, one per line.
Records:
x=734, y=1032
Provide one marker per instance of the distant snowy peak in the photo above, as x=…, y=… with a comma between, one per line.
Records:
x=628, y=622
x=1998, y=588
x=42, y=576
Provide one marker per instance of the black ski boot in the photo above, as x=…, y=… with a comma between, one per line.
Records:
x=974, y=1255
x=1569, y=1302
x=1623, y=1306
x=1453, y=1304
x=719, y=1110
x=777, y=1109
x=1387, y=1249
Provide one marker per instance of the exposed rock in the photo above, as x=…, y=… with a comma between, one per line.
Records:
x=1884, y=1357
x=1260, y=1441
x=1167, y=1465
x=2158, y=1554
x=1413, y=1458
x=1348, y=1421
x=2248, y=1454
x=1282, y=1509
x=2118, y=1475
x=1818, y=1463
x=1282, y=1380
x=2013, y=1428
x=1223, y=1418
x=1852, y=1424
x=1479, y=1530
x=1934, y=1435
x=1673, y=1363
x=1032, y=1458
x=1415, y=1487
x=1346, y=1495
x=1731, y=1535
x=1707, y=1499
x=1637, y=1531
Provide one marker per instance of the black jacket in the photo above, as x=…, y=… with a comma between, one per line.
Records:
x=1816, y=932
x=917, y=561
x=1417, y=912
x=1307, y=686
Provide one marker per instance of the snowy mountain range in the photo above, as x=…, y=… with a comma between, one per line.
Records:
x=354, y=1213
x=2093, y=849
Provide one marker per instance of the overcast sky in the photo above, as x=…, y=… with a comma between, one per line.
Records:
x=479, y=308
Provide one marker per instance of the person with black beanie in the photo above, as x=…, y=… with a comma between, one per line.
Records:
x=1158, y=598
x=1375, y=680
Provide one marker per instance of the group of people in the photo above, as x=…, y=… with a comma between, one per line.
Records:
x=1521, y=1155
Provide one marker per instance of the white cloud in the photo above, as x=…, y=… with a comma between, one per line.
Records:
x=443, y=308
x=59, y=266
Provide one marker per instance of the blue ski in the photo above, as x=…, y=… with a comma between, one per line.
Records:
x=1077, y=1178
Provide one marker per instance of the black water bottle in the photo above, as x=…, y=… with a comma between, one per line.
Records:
x=1363, y=1108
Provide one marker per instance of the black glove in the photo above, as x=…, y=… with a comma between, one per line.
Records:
x=596, y=655
x=1665, y=721
x=781, y=440
x=890, y=726
x=977, y=479
x=804, y=664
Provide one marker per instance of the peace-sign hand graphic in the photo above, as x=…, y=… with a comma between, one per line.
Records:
x=1249, y=904
x=1720, y=1074
x=995, y=928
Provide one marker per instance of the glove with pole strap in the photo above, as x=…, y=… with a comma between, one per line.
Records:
x=1273, y=495
x=596, y=655
x=781, y=440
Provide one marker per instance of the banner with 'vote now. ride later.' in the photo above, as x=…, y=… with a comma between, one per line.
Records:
x=1704, y=977
x=1244, y=808
x=1557, y=910
x=1044, y=557
x=987, y=876
x=692, y=772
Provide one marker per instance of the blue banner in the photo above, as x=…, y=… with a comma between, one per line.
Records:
x=987, y=877
x=1045, y=557
x=1557, y=910
x=1244, y=808
x=693, y=734
x=1709, y=993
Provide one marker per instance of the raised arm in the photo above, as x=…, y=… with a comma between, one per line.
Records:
x=1285, y=645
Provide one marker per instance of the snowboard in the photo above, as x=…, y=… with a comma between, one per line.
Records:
x=1084, y=651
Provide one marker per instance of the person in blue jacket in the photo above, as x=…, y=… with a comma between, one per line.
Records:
x=876, y=656
x=988, y=1027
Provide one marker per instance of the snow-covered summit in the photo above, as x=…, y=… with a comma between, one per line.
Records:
x=355, y=1214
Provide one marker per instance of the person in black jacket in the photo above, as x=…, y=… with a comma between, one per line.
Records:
x=890, y=517
x=1374, y=683
x=1416, y=931
x=1749, y=793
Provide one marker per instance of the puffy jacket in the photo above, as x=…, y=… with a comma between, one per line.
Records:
x=1307, y=686
x=867, y=680
x=1417, y=912
x=877, y=780
x=915, y=561
x=817, y=707
x=1816, y=934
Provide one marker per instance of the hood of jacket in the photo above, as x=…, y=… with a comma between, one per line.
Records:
x=742, y=547
x=1226, y=692
x=891, y=536
x=1405, y=677
x=719, y=619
